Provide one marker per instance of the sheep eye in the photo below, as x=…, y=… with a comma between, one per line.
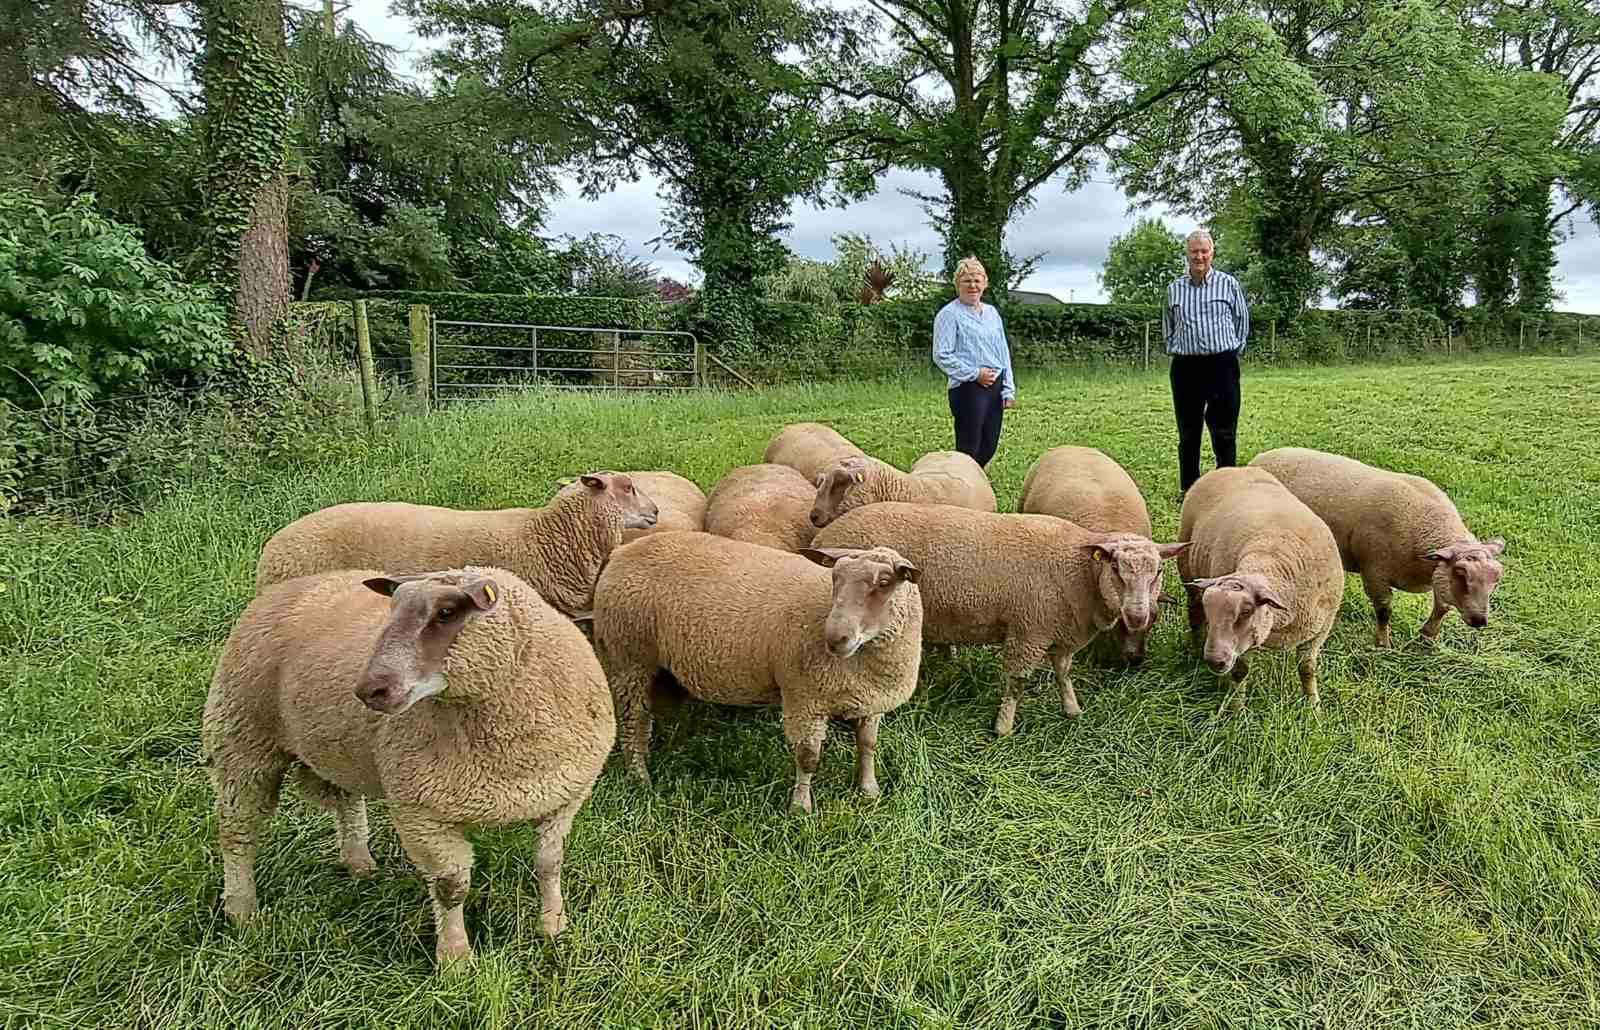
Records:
x=446, y=614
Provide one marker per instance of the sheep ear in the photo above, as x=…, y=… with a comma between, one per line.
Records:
x=1442, y=554
x=908, y=572
x=387, y=585
x=1096, y=552
x=1165, y=598
x=1173, y=550
x=584, y=616
x=1494, y=545
x=1201, y=584
x=826, y=556
x=593, y=482
x=1270, y=599
x=484, y=593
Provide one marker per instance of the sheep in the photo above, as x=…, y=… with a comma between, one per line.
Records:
x=460, y=696
x=938, y=477
x=741, y=624
x=1039, y=584
x=1085, y=486
x=680, y=504
x=808, y=448
x=764, y=504
x=1397, y=531
x=1261, y=570
x=558, y=549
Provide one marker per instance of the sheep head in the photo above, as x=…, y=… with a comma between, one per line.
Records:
x=426, y=614
x=865, y=585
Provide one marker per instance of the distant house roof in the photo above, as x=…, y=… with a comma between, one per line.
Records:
x=1033, y=297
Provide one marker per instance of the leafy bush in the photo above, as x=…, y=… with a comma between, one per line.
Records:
x=84, y=311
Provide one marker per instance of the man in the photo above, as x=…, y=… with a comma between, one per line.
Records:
x=1205, y=323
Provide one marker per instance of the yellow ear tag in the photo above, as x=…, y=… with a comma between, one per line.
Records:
x=1097, y=554
x=488, y=591
x=860, y=478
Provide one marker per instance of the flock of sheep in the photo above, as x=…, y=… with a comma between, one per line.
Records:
x=434, y=657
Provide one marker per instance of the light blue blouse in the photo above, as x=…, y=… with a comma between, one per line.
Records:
x=965, y=341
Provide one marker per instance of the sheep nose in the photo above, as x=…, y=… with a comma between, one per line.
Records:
x=817, y=518
x=1218, y=665
x=1477, y=621
x=378, y=692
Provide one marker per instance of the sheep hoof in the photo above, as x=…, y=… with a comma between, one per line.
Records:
x=553, y=924
x=361, y=866
x=241, y=911
x=1004, y=727
x=871, y=790
x=800, y=804
x=1071, y=711
x=450, y=956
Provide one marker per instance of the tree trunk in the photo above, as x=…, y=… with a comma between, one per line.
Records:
x=247, y=82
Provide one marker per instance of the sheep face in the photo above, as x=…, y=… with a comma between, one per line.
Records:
x=1129, y=577
x=864, y=587
x=834, y=485
x=1464, y=575
x=1238, y=617
x=427, y=614
x=638, y=510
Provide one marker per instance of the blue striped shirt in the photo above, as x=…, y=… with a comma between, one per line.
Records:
x=1211, y=318
x=965, y=341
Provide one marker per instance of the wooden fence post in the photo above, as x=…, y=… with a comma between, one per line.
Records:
x=421, y=359
x=369, y=384
x=699, y=363
x=1147, y=346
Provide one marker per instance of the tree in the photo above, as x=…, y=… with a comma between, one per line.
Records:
x=829, y=284
x=1141, y=262
x=600, y=266
x=693, y=90
x=996, y=98
x=247, y=81
x=1517, y=235
x=1322, y=109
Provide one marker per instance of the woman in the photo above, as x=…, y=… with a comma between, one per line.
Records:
x=969, y=346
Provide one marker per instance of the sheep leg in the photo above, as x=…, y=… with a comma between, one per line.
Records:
x=1309, y=653
x=1196, y=611
x=630, y=692
x=444, y=856
x=1241, y=670
x=552, y=848
x=1430, y=629
x=805, y=735
x=866, y=752
x=1381, y=595
x=1069, y=697
x=1021, y=658
x=246, y=800
x=350, y=815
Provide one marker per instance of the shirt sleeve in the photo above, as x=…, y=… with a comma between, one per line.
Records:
x=1166, y=317
x=1241, y=318
x=946, y=349
x=1008, y=392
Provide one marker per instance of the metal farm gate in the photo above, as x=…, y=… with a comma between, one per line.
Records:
x=468, y=357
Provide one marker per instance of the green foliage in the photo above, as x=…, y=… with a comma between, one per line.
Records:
x=600, y=266
x=996, y=98
x=694, y=90
x=833, y=284
x=1141, y=262
x=85, y=312
x=1328, y=112
x=598, y=312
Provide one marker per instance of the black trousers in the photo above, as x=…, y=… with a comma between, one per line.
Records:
x=977, y=411
x=1205, y=388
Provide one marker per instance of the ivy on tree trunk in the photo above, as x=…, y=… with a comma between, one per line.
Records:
x=247, y=81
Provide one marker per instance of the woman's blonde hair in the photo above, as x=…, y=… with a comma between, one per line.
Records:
x=969, y=263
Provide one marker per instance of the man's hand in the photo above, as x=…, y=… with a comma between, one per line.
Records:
x=987, y=376
x=1009, y=403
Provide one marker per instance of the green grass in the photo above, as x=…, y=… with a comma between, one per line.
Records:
x=1425, y=853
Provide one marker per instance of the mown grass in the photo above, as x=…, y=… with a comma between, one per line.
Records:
x=1425, y=853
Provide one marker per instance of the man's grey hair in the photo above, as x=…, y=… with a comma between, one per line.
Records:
x=1199, y=234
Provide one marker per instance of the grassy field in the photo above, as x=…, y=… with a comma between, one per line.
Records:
x=1425, y=853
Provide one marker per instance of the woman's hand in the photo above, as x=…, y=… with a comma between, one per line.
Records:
x=1010, y=402
x=987, y=376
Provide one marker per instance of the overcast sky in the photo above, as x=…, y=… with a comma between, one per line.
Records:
x=1071, y=231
